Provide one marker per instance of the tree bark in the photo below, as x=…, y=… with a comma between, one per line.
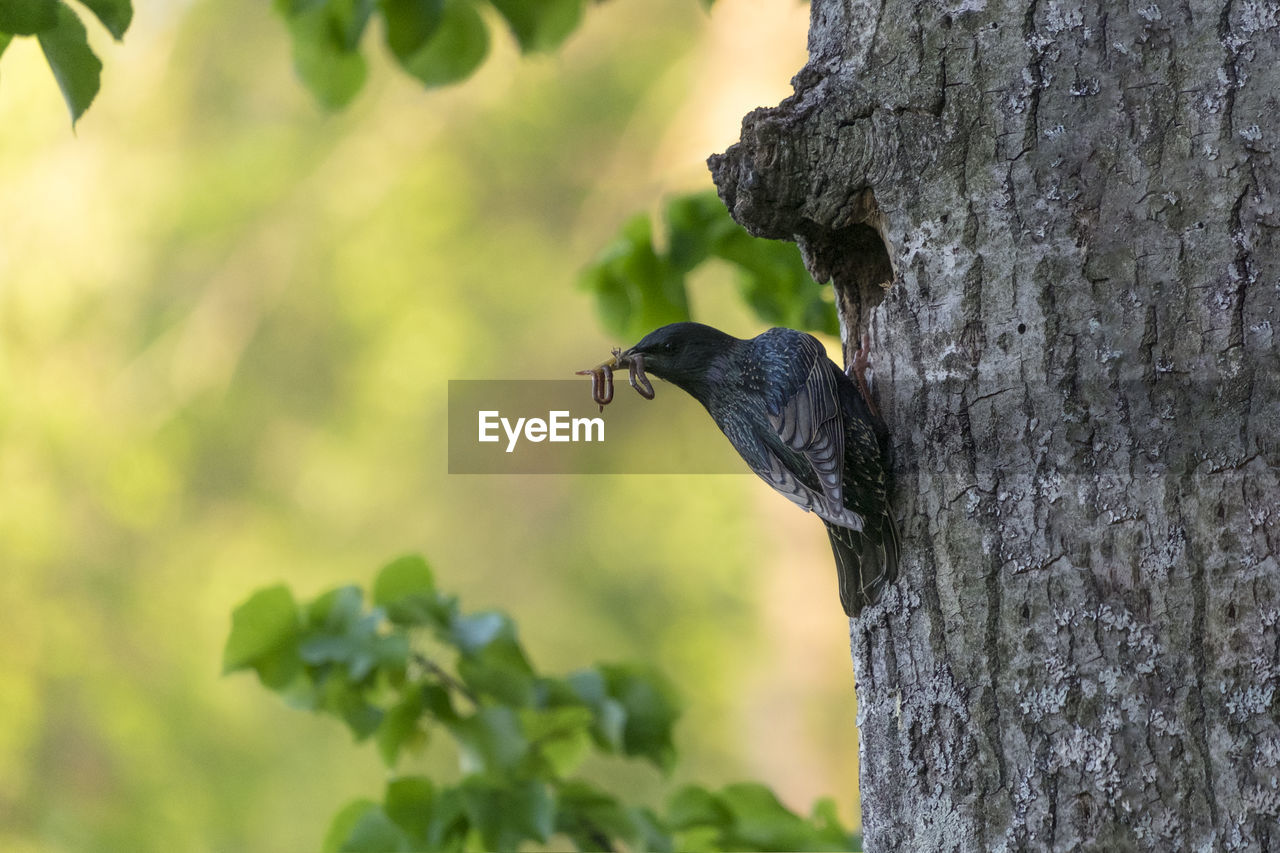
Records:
x=1059, y=222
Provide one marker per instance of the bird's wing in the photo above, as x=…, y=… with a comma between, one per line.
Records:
x=809, y=421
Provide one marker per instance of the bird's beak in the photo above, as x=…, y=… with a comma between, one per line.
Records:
x=616, y=361
x=620, y=359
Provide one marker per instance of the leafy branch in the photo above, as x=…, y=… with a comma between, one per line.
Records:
x=436, y=41
x=520, y=735
x=65, y=42
x=639, y=288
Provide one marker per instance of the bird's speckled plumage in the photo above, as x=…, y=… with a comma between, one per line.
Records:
x=802, y=425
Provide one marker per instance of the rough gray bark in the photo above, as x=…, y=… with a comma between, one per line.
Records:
x=1073, y=211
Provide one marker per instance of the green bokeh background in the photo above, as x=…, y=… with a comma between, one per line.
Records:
x=227, y=321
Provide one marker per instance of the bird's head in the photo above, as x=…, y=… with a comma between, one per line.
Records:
x=680, y=353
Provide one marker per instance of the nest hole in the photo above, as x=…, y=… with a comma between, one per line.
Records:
x=861, y=276
x=856, y=259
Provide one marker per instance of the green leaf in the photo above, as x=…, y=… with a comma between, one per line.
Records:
x=5, y=38
x=374, y=832
x=540, y=24
x=408, y=803
x=653, y=835
x=410, y=23
x=695, y=222
x=336, y=611
x=265, y=624
x=761, y=822
x=826, y=822
x=327, y=649
x=565, y=753
x=774, y=282
x=651, y=708
x=390, y=654
x=701, y=839
x=592, y=817
x=362, y=718
x=399, y=727
x=360, y=649
x=545, y=724
x=289, y=8
x=507, y=814
x=455, y=48
x=298, y=691
x=449, y=821
x=436, y=701
x=636, y=289
x=493, y=663
x=115, y=15
x=28, y=17
x=350, y=18
x=344, y=822
x=74, y=65
x=610, y=724
x=406, y=589
x=562, y=736
x=473, y=632
x=340, y=632
x=588, y=685
x=610, y=716
x=322, y=57
x=490, y=740
x=694, y=805
x=613, y=302
x=500, y=670
x=348, y=703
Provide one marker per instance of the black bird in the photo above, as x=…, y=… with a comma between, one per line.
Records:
x=803, y=425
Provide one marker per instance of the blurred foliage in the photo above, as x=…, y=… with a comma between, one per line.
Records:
x=227, y=324
x=639, y=288
x=65, y=42
x=440, y=42
x=436, y=41
x=520, y=736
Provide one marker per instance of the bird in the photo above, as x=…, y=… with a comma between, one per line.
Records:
x=801, y=424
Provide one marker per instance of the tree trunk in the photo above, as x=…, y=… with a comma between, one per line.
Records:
x=1059, y=223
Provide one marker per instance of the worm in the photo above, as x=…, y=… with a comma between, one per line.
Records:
x=602, y=378
x=601, y=384
x=638, y=380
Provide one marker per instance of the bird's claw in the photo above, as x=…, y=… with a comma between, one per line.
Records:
x=862, y=358
x=858, y=372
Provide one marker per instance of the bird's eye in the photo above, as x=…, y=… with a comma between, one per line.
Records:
x=668, y=346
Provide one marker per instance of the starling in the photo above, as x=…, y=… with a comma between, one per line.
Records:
x=801, y=424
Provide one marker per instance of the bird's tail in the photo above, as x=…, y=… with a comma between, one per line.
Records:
x=866, y=562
